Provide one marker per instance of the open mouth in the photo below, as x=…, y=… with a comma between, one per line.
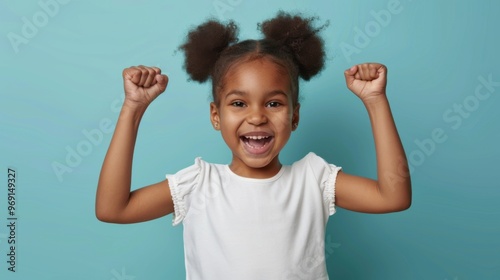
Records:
x=257, y=144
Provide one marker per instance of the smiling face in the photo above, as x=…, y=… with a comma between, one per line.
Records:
x=256, y=115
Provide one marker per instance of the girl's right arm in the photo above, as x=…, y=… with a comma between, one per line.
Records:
x=114, y=201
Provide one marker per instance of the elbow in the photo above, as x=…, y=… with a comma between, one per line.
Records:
x=105, y=216
x=100, y=212
x=101, y=216
x=106, y=211
x=402, y=206
x=408, y=204
x=402, y=200
x=397, y=204
x=405, y=206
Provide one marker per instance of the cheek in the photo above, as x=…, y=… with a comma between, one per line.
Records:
x=230, y=124
x=284, y=120
x=229, y=118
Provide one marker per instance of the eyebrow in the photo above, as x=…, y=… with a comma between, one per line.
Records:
x=244, y=93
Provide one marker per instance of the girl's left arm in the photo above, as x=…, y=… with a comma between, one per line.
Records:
x=391, y=192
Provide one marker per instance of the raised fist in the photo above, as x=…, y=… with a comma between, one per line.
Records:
x=142, y=85
x=367, y=81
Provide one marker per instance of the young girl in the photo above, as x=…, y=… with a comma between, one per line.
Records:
x=254, y=218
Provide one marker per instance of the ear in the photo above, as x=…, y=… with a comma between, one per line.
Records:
x=214, y=116
x=296, y=117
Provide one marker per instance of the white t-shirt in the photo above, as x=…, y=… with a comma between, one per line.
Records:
x=244, y=228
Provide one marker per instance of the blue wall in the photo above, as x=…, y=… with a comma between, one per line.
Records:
x=60, y=79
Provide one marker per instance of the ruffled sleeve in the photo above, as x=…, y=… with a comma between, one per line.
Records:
x=326, y=174
x=182, y=184
x=329, y=191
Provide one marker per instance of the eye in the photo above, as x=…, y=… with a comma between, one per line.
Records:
x=237, y=104
x=273, y=104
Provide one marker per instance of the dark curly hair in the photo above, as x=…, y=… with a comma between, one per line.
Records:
x=289, y=40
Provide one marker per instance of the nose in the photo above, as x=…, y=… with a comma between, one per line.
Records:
x=257, y=116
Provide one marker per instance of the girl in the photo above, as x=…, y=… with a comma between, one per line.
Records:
x=254, y=218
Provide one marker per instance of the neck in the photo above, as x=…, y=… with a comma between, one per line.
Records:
x=243, y=170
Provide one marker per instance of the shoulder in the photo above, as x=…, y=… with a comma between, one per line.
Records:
x=312, y=163
x=187, y=175
x=311, y=160
x=189, y=183
x=196, y=173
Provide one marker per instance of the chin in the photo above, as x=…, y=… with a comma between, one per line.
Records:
x=259, y=162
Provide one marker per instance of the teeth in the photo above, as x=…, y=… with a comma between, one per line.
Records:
x=256, y=137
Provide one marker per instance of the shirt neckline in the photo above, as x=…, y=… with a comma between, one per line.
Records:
x=256, y=180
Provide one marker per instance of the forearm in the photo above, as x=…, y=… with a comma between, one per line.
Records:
x=113, y=189
x=392, y=169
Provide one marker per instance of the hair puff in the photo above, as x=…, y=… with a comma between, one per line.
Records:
x=299, y=35
x=204, y=45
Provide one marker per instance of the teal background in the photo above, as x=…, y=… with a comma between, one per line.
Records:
x=66, y=79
